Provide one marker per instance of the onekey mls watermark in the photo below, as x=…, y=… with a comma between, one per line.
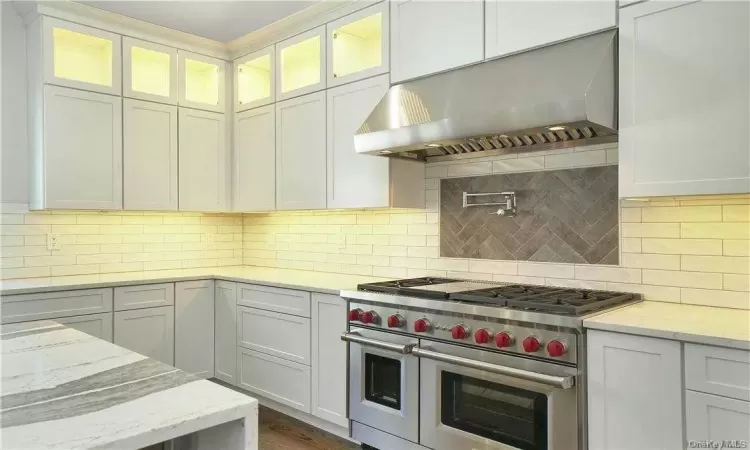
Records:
x=718, y=444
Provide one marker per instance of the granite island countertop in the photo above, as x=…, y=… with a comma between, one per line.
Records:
x=708, y=325
x=64, y=389
x=326, y=283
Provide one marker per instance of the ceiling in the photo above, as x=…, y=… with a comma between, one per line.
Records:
x=222, y=21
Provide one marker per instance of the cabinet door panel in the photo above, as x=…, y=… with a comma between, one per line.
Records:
x=194, y=327
x=149, y=332
x=301, y=152
x=714, y=418
x=626, y=374
x=201, y=82
x=515, y=26
x=255, y=79
x=97, y=325
x=430, y=37
x=202, y=161
x=149, y=71
x=255, y=160
x=354, y=180
x=225, y=334
x=684, y=70
x=280, y=335
x=301, y=64
x=82, y=149
x=329, y=358
x=284, y=381
x=150, y=156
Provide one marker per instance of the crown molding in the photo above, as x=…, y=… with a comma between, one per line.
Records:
x=127, y=26
x=311, y=17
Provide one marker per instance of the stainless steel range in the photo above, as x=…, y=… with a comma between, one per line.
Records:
x=448, y=364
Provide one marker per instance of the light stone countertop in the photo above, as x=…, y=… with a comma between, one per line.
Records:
x=65, y=389
x=688, y=323
x=326, y=283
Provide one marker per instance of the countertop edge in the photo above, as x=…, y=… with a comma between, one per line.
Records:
x=690, y=338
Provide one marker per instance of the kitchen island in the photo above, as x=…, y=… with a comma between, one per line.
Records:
x=64, y=389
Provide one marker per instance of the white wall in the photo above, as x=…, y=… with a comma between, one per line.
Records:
x=13, y=165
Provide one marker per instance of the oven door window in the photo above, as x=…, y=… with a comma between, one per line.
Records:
x=505, y=414
x=383, y=380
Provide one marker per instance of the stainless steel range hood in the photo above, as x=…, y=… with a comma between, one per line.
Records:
x=554, y=97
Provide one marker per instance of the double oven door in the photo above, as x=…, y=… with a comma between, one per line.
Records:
x=448, y=397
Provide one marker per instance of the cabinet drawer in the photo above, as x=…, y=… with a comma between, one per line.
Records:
x=717, y=370
x=285, y=301
x=715, y=418
x=28, y=307
x=281, y=335
x=144, y=296
x=277, y=379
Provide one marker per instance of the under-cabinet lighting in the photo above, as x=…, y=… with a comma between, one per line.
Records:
x=433, y=145
x=556, y=128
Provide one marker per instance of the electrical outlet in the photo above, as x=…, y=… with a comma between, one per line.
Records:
x=208, y=238
x=53, y=241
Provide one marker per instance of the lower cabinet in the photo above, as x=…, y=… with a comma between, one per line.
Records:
x=634, y=392
x=194, y=327
x=225, y=331
x=149, y=332
x=715, y=418
x=283, y=381
x=329, y=364
x=97, y=325
x=281, y=335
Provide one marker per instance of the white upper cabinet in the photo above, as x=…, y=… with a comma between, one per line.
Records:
x=515, y=26
x=301, y=152
x=434, y=36
x=254, y=80
x=149, y=155
x=364, y=181
x=300, y=64
x=202, y=161
x=358, y=45
x=201, y=81
x=79, y=57
x=76, y=160
x=634, y=392
x=255, y=160
x=684, y=116
x=149, y=71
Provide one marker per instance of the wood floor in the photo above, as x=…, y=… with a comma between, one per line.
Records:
x=280, y=432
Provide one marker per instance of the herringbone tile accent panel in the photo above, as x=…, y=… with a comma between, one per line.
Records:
x=567, y=216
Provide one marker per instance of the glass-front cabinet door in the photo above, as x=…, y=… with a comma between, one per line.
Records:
x=81, y=57
x=300, y=64
x=201, y=82
x=358, y=45
x=149, y=71
x=254, y=80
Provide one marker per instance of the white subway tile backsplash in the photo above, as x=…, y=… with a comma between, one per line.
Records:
x=613, y=274
x=518, y=164
x=469, y=169
x=545, y=270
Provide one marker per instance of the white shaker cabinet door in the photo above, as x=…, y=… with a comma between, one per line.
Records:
x=194, y=327
x=329, y=366
x=434, y=36
x=225, y=333
x=149, y=332
x=255, y=160
x=301, y=152
x=634, y=392
x=150, y=156
x=202, y=161
x=515, y=26
x=713, y=418
x=354, y=180
x=97, y=325
x=79, y=164
x=684, y=116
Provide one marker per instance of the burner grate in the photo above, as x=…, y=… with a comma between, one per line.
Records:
x=409, y=286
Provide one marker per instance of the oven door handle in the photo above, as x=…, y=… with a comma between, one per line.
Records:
x=357, y=338
x=549, y=380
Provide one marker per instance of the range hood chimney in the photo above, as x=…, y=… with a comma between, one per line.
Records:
x=559, y=96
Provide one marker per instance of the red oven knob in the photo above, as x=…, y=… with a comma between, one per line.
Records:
x=370, y=317
x=460, y=331
x=531, y=345
x=482, y=336
x=422, y=325
x=504, y=339
x=355, y=314
x=556, y=348
x=395, y=321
